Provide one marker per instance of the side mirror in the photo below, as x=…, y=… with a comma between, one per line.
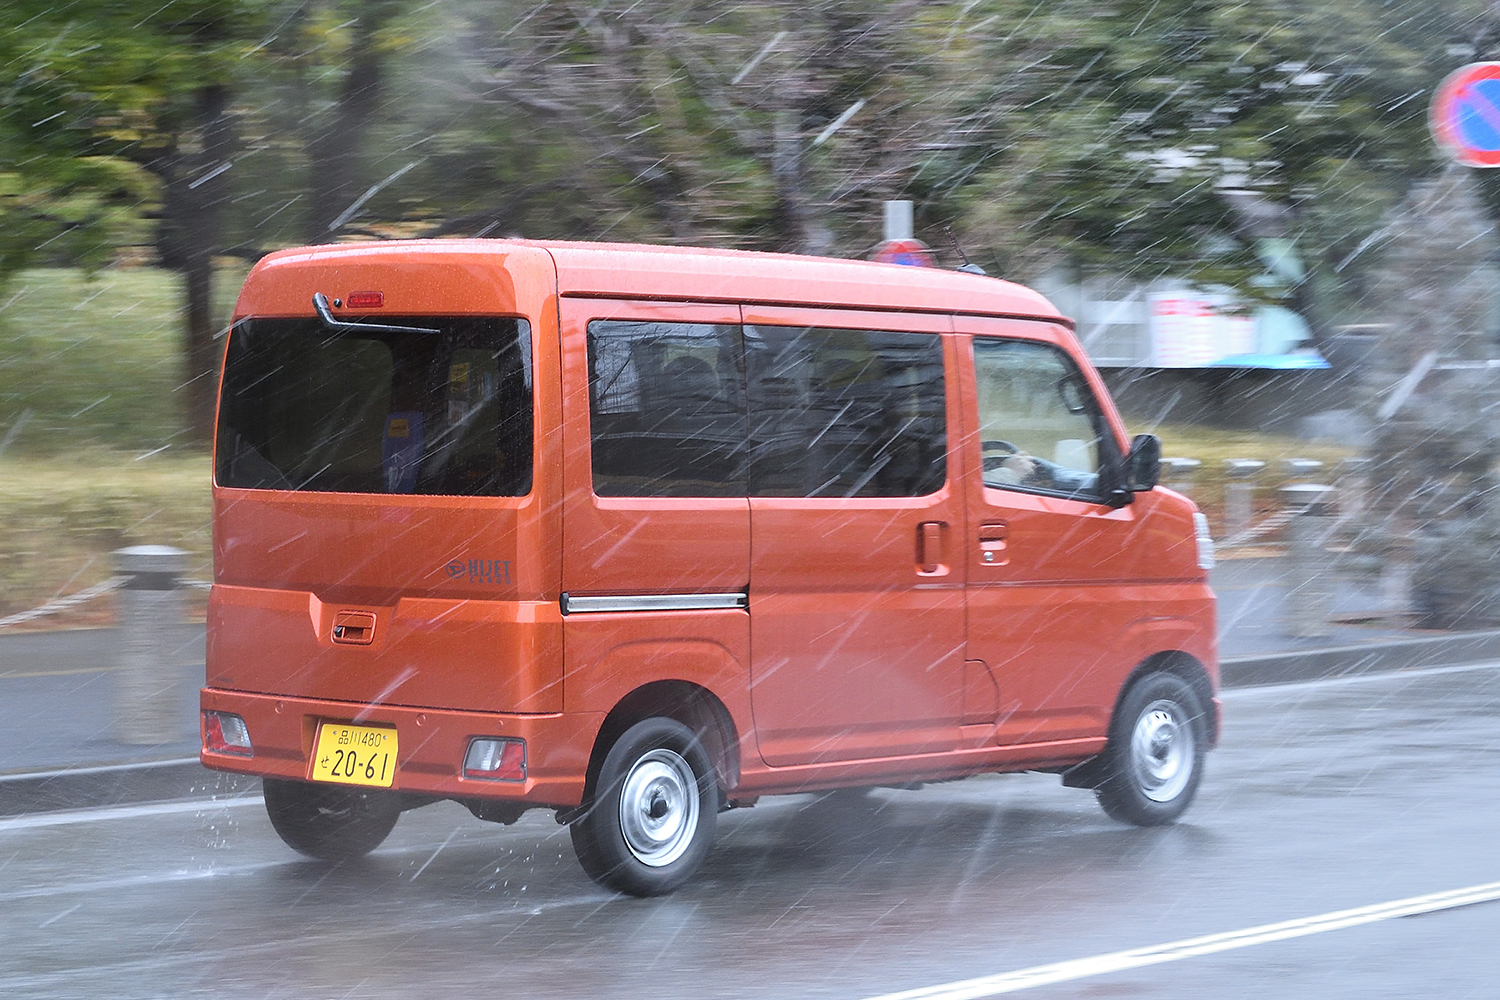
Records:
x=1143, y=464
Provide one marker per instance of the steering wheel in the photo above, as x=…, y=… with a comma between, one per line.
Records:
x=995, y=451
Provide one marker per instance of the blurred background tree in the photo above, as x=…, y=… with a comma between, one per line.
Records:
x=1208, y=140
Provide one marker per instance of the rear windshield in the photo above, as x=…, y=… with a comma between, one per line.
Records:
x=353, y=411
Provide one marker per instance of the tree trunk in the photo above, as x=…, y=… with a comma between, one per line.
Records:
x=196, y=187
x=334, y=151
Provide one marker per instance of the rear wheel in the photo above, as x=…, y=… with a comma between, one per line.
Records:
x=330, y=822
x=651, y=822
x=1154, y=758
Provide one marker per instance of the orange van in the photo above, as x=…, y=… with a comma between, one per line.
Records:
x=640, y=534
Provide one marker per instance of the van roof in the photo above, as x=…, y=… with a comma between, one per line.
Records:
x=622, y=270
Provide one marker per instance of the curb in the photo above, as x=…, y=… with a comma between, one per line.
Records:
x=116, y=784
x=186, y=778
x=1342, y=661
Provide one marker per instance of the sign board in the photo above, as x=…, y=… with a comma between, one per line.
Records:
x=1194, y=330
x=913, y=253
x=1465, y=115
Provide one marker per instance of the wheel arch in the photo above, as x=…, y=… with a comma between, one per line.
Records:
x=1185, y=666
x=691, y=704
x=1172, y=661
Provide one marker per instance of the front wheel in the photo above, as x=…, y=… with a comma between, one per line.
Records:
x=1154, y=758
x=330, y=822
x=655, y=805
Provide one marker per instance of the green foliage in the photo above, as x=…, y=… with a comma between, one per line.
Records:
x=1147, y=137
x=96, y=94
x=1132, y=121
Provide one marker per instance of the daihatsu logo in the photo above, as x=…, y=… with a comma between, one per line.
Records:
x=494, y=571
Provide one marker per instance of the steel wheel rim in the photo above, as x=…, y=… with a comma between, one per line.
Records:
x=659, y=808
x=1161, y=751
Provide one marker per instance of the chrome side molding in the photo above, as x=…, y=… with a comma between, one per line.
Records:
x=572, y=605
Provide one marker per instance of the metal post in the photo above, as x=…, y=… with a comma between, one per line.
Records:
x=150, y=603
x=1309, y=599
x=1242, y=473
x=1180, y=474
x=898, y=220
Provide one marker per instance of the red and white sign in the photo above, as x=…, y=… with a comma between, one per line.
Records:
x=912, y=253
x=1465, y=114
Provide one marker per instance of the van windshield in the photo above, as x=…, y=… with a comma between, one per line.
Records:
x=354, y=411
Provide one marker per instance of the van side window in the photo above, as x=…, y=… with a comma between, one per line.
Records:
x=845, y=413
x=666, y=409
x=1040, y=427
x=352, y=411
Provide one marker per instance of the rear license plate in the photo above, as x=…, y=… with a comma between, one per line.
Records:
x=355, y=755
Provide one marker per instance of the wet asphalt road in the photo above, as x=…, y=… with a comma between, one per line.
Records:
x=1324, y=796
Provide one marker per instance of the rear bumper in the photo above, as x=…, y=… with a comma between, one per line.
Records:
x=432, y=745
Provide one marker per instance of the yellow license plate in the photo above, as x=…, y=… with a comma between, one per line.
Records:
x=355, y=755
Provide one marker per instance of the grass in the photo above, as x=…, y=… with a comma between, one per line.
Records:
x=91, y=362
x=93, y=455
x=65, y=515
x=1213, y=447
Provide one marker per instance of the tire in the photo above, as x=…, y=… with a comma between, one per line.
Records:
x=330, y=822
x=1154, y=759
x=655, y=805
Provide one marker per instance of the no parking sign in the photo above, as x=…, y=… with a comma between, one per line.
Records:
x=1465, y=114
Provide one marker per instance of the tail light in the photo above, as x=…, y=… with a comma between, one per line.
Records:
x=496, y=759
x=225, y=732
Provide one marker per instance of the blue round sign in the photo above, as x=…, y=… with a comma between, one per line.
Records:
x=1465, y=114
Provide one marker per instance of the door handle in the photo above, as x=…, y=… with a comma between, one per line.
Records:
x=930, y=547
x=354, y=628
x=994, y=548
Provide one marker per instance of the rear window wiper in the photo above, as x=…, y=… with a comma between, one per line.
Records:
x=320, y=303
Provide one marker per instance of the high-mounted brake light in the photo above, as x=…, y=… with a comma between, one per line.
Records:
x=224, y=732
x=364, y=300
x=496, y=760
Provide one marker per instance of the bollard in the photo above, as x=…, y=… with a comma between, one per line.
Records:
x=145, y=710
x=1309, y=599
x=1179, y=474
x=1354, y=485
x=1242, y=473
x=1302, y=470
x=1395, y=580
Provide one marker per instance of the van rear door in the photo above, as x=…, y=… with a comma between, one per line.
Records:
x=379, y=512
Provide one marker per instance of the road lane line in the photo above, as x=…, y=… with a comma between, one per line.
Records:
x=136, y=881
x=15, y=674
x=100, y=815
x=1135, y=958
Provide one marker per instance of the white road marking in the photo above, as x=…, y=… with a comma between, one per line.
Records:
x=135, y=881
x=66, y=818
x=1135, y=958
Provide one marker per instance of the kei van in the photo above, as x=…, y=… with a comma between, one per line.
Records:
x=641, y=534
